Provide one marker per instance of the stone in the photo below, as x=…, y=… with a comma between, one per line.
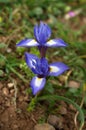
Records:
x=9, y=50
x=55, y=121
x=44, y=126
x=10, y=85
x=63, y=110
x=12, y=91
x=73, y=84
x=5, y=91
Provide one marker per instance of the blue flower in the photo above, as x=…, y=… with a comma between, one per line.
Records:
x=42, y=69
x=42, y=34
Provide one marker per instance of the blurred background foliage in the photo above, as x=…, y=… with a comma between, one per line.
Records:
x=17, y=19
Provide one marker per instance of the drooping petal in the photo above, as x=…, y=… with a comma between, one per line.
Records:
x=56, y=43
x=42, y=33
x=37, y=84
x=28, y=43
x=41, y=67
x=57, y=68
x=31, y=60
x=38, y=66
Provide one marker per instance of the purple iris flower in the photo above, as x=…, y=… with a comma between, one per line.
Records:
x=42, y=33
x=42, y=69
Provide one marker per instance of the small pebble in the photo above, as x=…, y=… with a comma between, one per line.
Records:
x=5, y=91
x=73, y=84
x=44, y=126
x=12, y=91
x=9, y=50
x=15, y=126
x=10, y=85
x=63, y=110
x=55, y=121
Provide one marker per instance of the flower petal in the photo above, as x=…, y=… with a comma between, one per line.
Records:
x=37, y=84
x=31, y=60
x=42, y=33
x=28, y=43
x=56, y=43
x=57, y=68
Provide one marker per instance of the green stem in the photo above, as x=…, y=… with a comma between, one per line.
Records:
x=32, y=104
x=56, y=97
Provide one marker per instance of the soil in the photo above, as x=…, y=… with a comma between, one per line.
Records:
x=13, y=110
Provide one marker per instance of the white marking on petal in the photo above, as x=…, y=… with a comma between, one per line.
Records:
x=54, y=69
x=31, y=42
x=51, y=42
x=33, y=66
x=37, y=84
x=34, y=60
x=31, y=63
x=38, y=81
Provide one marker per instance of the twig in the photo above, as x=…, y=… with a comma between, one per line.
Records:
x=33, y=119
x=16, y=91
x=75, y=118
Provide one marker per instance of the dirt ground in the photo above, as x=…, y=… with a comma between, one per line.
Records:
x=13, y=109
